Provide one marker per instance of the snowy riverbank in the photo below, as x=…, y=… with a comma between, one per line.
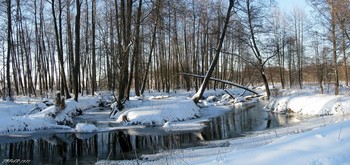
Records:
x=311, y=104
x=154, y=109
x=323, y=139
x=315, y=141
x=15, y=115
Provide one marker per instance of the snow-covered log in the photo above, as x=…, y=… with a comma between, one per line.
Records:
x=222, y=81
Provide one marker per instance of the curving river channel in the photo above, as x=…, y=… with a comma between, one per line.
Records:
x=83, y=148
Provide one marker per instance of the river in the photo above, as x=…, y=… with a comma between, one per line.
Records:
x=55, y=147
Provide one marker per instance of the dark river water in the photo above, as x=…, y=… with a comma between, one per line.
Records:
x=78, y=148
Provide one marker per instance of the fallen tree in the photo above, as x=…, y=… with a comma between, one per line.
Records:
x=222, y=81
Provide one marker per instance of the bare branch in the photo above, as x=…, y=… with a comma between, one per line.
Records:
x=222, y=81
x=246, y=60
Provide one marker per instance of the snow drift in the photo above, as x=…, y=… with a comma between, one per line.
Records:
x=82, y=127
x=15, y=114
x=311, y=104
x=177, y=110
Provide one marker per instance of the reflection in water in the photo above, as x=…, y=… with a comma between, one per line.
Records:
x=89, y=148
x=81, y=148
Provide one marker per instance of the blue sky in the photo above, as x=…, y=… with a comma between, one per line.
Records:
x=286, y=5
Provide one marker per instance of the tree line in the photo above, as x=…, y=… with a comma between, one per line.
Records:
x=83, y=46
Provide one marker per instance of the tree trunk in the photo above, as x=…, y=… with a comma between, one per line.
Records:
x=256, y=50
x=266, y=83
x=153, y=43
x=9, y=47
x=14, y=70
x=135, y=56
x=137, y=51
x=93, y=60
x=77, y=52
x=196, y=97
x=70, y=47
x=345, y=59
x=334, y=43
x=186, y=62
x=58, y=35
x=124, y=57
x=280, y=66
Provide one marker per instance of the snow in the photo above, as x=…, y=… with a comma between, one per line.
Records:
x=326, y=143
x=82, y=127
x=212, y=99
x=320, y=146
x=167, y=124
x=175, y=110
x=321, y=140
x=156, y=109
x=15, y=114
x=14, y=117
x=311, y=104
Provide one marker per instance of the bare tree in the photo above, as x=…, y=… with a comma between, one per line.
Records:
x=196, y=97
x=77, y=52
x=9, y=47
x=320, y=60
x=342, y=15
x=135, y=61
x=70, y=52
x=59, y=43
x=93, y=45
x=298, y=22
x=146, y=44
x=334, y=44
x=279, y=42
x=328, y=9
x=153, y=44
x=254, y=18
x=126, y=12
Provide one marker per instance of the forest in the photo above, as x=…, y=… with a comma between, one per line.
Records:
x=84, y=46
x=174, y=82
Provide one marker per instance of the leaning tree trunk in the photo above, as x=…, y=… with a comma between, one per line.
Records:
x=196, y=97
x=153, y=43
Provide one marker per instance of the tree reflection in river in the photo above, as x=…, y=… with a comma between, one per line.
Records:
x=84, y=148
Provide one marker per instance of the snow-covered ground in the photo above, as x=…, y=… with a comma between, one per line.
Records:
x=164, y=109
x=321, y=140
x=153, y=109
x=15, y=116
x=315, y=141
x=305, y=103
x=174, y=110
